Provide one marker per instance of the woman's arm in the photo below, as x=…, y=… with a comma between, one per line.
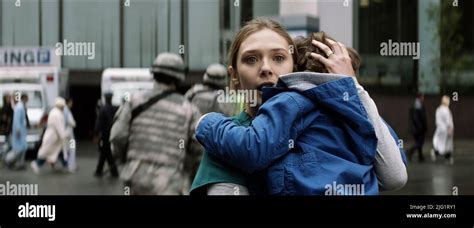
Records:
x=450, y=123
x=71, y=120
x=389, y=166
x=59, y=126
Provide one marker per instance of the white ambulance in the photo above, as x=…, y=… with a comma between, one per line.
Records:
x=123, y=82
x=41, y=80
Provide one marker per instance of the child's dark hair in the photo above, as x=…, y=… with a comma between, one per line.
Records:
x=304, y=48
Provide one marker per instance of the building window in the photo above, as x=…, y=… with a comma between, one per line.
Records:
x=381, y=21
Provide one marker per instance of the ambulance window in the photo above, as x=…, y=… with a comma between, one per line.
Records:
x=34, y=99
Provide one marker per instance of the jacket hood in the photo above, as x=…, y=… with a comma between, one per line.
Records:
x=302, y=81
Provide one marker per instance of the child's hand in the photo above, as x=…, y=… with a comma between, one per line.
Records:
x=338, y=60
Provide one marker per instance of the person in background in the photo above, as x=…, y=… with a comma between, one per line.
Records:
x=418, y=127
x=255, y=148
x=102, y=128
x=206, y=96
x=54, y=138
x=443, y=136
x=16, y=156
x=71, y=144
x=6, y=118
x=156, y=129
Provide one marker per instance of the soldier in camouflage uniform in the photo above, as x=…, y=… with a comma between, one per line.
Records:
x=162, y=152
x=205, y=96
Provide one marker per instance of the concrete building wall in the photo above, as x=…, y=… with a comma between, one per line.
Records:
x=299, y=8
x=92, y=22
x=20, y=24
x=203, y=35
x=49, y=22
x=266, y=8
x=149, y=27
x=337, y=19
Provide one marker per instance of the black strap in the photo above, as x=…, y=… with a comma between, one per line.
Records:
x=149, y=103
x=198, y=92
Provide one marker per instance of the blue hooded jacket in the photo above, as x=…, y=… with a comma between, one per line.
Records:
x=312, y=142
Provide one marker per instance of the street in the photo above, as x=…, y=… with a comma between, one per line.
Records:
x=439, y=178
x=428, y=178
x=55, y=182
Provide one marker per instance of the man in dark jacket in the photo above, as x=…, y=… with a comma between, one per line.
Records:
x=418, y=127
x=6, y=117
x=102, y=128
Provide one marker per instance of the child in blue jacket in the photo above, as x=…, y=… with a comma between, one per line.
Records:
x=316, y=133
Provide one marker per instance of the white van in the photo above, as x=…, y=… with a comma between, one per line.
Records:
x=36, y=109
x=122, y=82
x=42, y=85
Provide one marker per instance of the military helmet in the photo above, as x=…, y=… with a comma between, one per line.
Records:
x=216, y=74
x=169, y=64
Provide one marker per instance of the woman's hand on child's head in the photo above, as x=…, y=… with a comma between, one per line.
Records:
x=337, y=60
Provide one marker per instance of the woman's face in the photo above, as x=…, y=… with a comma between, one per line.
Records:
x=262, y=58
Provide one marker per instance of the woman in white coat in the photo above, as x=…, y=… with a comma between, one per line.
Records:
x=54, y=138
x=443, y=136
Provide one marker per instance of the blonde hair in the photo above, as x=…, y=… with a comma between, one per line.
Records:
x=445, y=100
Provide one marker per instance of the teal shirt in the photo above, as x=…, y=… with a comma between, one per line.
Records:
x=212, y=171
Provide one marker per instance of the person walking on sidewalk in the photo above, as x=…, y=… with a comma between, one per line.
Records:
x=54, y=138
x=156, y=129
x=206, y=95
x=16, y=157
x=443, y=136
x=71, y=146
x=102, y=128
x=418, y=127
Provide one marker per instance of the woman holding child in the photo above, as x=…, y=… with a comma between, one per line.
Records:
x=308, y=131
